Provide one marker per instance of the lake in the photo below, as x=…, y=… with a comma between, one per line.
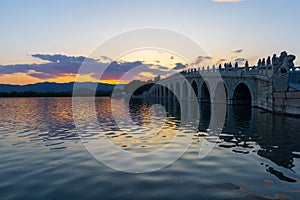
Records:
x=42, y=157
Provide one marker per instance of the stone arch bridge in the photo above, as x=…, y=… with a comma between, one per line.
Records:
x=262, y=86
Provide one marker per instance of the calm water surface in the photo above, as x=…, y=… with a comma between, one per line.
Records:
x=256, y=156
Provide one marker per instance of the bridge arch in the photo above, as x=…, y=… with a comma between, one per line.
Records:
x=171, y=91
x=242, y=93
x=205, y=93
x=159, y=91
x=221, y=92
x=195, y=88
x=184, y=90
x=177, y=91
x=167, y=91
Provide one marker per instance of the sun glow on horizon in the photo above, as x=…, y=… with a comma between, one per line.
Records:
x=25, y=79
x=18, y=79
x=114, y=81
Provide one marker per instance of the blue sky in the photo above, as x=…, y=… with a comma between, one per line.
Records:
x=258, y=27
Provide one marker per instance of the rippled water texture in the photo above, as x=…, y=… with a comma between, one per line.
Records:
x=255, y=157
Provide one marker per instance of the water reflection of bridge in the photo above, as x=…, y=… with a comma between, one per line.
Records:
x=248, y=130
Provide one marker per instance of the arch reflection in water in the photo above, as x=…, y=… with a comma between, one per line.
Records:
x=246, y=128
x=249, y=130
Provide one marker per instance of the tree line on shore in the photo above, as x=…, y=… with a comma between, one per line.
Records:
x=135, y=87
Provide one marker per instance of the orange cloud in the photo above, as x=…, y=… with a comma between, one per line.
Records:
x=114, y=81
x=25, y=78
x=18, y=79
x=147, y=74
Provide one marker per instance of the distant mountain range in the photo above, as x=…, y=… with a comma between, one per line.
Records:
x=56, y=87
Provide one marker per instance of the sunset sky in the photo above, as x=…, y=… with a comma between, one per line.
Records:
x=48, y=40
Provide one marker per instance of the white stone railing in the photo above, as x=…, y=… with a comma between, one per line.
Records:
x=267, y=71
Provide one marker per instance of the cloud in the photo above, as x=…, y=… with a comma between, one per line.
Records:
x=104, y=59
x=59, y=65
x=147, y=74
x=202, y=59
x=59, y=58
x=227, y=1
x=222, y=60
x=238, y=51
x=179, y=66
x=64, y=67
x=240, y=60
x=116, y=70
x=159, y=67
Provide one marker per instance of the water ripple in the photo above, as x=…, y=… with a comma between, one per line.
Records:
x=256, y=156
